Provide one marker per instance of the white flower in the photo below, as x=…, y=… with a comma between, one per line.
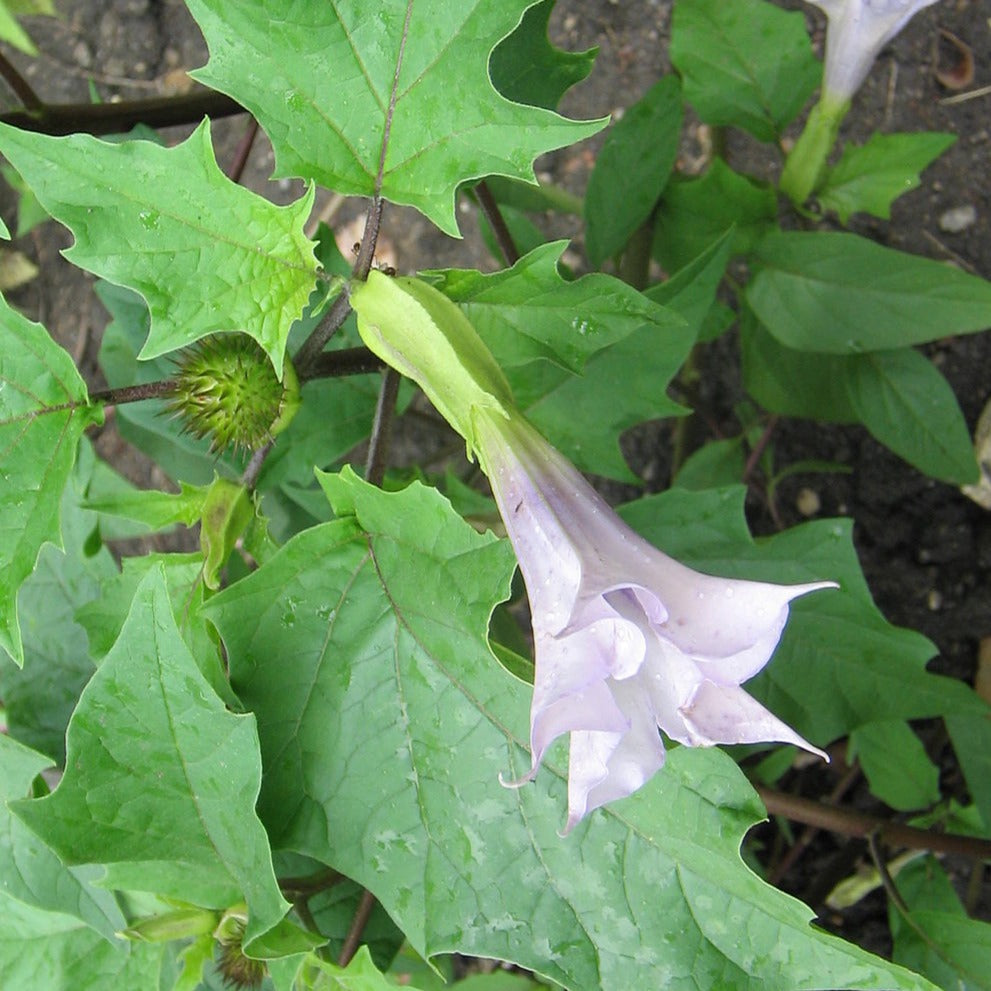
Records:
x=858, y=30
x=626, y=639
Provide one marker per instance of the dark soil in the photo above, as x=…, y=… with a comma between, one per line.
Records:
x=925, y=547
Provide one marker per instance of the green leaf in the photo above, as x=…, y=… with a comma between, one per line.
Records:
x=36, y=453
x=39, y=698
x=157, y=510
x=530, y=312
x=905, y=402
x=632, y=169
x=30, y=212
x=869, y=178
x=718, y=463
x=161, y=779
x=899, y=396
x=795, y=383
x=622, y=386
x=361, y=648
x=695, y=212
x=691, y=291
x=527, y=68
x=12, y=32
x=838, y=293
x=29, y=870
x=896, y=764
x=951, y=949
x=227, y=511
x=840, y=664
x=745, y=64
x=207, y=254
x=104, y=617
x=331, y=85
x=626, y=346
x=55, y=952
x=361, y=974
x=971, y=736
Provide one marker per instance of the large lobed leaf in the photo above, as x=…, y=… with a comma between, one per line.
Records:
x=30, y=872
x=345, y=88
x=385, y=722
x=207, y=255
x=37, y=452
x=39, y=698
x=160, y=778
x=56, y=952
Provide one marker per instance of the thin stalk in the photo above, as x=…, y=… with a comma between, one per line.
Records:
x=21, y=87
x=497, y=222
x=346, y=361
x=385, y=409
x=114, y=118
x=243, y=151
x=306, y=357
x=634, y=266
x=811, y=832
x=353, y=939
x=161, y=389
x=849, y=822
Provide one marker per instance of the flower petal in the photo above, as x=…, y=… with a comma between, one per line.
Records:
x=604, y=767
x=723, y=714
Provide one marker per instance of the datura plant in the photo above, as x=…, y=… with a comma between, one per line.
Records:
x=627, y=640
x=507, y=702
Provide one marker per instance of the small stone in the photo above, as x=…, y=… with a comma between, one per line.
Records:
x=934, y=600
x=82, y=55
x=808, y=503
x=957, y=219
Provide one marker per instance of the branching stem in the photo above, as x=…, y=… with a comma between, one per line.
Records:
x=21, y=87
x=115, y=118
x=849, y=822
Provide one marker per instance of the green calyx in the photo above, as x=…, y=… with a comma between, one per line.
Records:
x=422, y=334
x=226, y=389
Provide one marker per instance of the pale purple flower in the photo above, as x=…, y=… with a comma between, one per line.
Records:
x=627, y=640
x=858, y=30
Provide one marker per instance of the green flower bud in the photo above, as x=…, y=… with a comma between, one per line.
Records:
x=417, y=330
x=180, y=924
x=226, y=389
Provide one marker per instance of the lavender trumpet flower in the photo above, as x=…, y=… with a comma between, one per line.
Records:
x=627, y=640
x=857, y=31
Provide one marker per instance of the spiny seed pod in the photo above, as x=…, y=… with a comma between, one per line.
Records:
x=237, y=970
x=226, y=389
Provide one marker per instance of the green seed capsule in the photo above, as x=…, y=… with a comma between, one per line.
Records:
x=226, y=389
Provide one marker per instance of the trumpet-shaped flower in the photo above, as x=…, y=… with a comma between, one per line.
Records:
x=858, y=30
x=627, y=639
